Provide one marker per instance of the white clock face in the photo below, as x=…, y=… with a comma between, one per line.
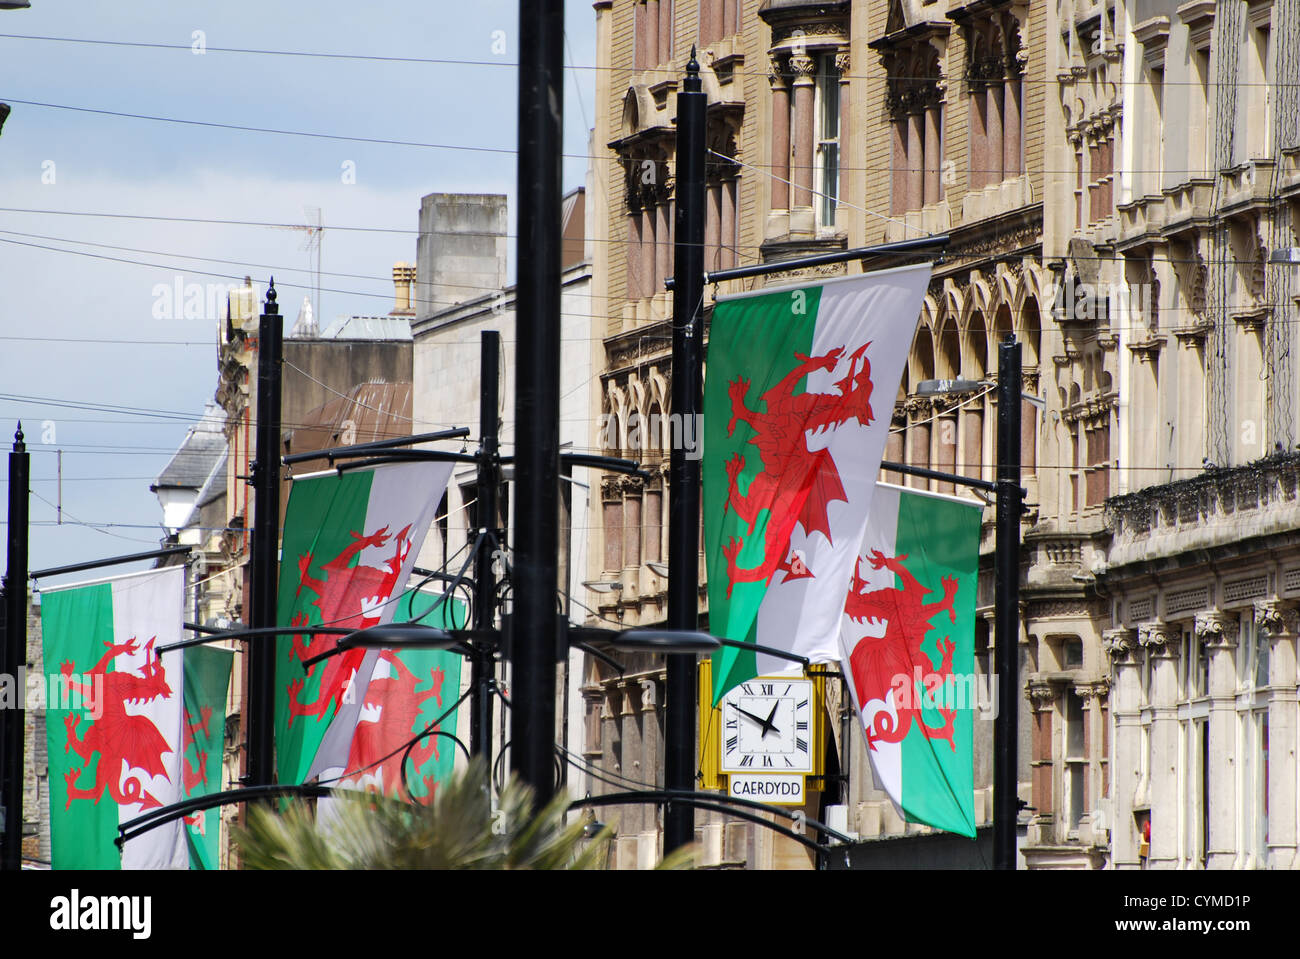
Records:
x=767, y=726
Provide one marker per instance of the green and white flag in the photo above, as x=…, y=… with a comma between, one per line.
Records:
x=405, y=691
x=797, y=403
x=113, y=718
x=908, y=644
x=207, y=683
x=349, y=544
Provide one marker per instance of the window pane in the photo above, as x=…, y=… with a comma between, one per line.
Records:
x=1074, y=718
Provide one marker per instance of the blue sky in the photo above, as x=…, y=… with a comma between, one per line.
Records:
x=59, y=160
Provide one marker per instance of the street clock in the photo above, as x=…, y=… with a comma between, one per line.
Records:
x=768, y=726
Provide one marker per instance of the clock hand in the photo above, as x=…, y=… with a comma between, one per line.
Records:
x=764, y=723
x=768, y=722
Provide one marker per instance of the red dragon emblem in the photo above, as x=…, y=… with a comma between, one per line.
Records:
x=197, y=775
x=349, y=596
x=878, y=662
x=117, y=736
x=379, y=741
x=796, y=484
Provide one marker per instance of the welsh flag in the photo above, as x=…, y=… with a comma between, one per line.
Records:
x=114, y=718
x=797, y=403
x=908, y=644
x=349, y=544
x=203, y=742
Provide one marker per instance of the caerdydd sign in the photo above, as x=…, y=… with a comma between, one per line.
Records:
x=777, y=790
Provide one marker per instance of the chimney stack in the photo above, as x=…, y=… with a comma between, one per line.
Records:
x=404, y=285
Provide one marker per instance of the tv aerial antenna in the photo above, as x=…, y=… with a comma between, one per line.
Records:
x=313, y=230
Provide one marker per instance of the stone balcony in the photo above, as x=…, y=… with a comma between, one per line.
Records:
x=1140, y=221
x=1187, y=205
x=1208, y=510
x=1289, y=180
x=1247, y=187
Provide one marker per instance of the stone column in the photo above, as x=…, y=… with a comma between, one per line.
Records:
x=1011, y=127
x=972, y=441
x=918, y=439
x=612, y=501
x=978, y=150
x=663, y=249
x=993, y=131
x=631, y=534
x=915, y=160
x=665, y=31
x=1163, y=643
x=648, y=252
x=898, y=194
x=641, y=54
x=634, y=817
x=727, y=253
x=635, y=282
x=1217, y=632
x=712, y=226
x=801, y=145
x=848, y=147
x=1042, y=701
x=651, y=21
x=932, y=159
x=710, y=21
x=1093, y=695
x=946, y=448
x=1276, y=620
x=1121, y=645
x=652, y=766
x=894, y=445
x=780, y=140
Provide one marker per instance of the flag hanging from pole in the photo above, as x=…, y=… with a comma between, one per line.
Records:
x=908, y=648
x=797, y=404
x=114, y=717
x=203, y=742
x=349, y=544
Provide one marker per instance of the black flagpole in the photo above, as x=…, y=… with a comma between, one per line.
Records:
x=485, y=587
x=1006, y=629
x=536, y=641
x=14, y=658
x=684, y=471
x=265, y=546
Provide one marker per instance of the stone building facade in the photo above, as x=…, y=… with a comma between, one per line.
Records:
x=1201, y=574
x=835, y=125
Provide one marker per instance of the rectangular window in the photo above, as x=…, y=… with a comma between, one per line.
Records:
x=827, y=136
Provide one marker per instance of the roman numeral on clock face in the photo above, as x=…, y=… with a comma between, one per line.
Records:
x=767, y=762
x=802, y=744
x=767, y=689
x=801, y=724
x=747, y=761
x=732, y=743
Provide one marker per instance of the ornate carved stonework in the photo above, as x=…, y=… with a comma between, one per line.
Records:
x=803, y=67
x=1041, y=695
x=775, y=70
x=1276, y=618
x=1119, y=643
x=1098, y=690
x=1216, y=630
x=1160, y=639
